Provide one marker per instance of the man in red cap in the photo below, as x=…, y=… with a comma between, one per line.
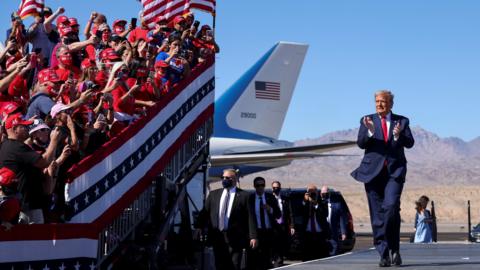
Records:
x=9, y=204
x=21, y=159
x=119, y=28
x=74, y=25
x=69, y=38
x=46, y=90
x=179, y=24
x=46, y=95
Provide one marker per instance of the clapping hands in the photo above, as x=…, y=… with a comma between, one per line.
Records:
x=368, y=122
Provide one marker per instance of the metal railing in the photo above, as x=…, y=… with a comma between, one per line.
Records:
x=139, y=210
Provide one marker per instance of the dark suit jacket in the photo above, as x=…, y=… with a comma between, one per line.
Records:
x=338, y=217
x=272, y=202
x=377, y=151
x=321, y=214
x=241, y=224
x=286, y=212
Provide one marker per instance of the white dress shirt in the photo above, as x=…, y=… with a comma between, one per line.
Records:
x=230, y=203
x=280, y=205
x=388, y=119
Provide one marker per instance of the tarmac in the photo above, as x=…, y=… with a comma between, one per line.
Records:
x=443, y=255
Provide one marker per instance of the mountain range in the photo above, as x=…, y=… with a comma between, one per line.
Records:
x=433, y=161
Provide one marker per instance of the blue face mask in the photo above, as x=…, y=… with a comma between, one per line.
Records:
x=227, y=183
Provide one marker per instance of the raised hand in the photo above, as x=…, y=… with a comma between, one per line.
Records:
x=396, y=130
x=368, y=122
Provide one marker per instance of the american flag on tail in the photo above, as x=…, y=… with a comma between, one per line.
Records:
x=267, y=90
x=30, y=7
x=169, y=9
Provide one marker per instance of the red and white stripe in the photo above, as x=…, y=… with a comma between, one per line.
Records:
x=205, y=5
x=102, y=165
x=30, y=7
x=169, y=9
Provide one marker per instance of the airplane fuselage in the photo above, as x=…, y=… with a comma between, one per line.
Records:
x=225, y=146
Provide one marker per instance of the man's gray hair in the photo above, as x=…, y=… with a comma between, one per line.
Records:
x=61, y=47
x=387, y=93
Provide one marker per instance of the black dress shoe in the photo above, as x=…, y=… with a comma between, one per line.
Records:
x=396, y=259
x=385, y=262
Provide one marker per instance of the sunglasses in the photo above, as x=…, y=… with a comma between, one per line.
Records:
x=259, y=185
x=226, y=178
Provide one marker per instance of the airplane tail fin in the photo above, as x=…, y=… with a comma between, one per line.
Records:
x=255, y=106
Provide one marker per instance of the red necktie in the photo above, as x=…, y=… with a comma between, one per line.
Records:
x=384, y=128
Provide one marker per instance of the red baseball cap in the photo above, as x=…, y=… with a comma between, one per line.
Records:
x=73, y=21
x=7, y=177
x=161, y=63
x=8, y=109
x=62, y=20
x=178, y=19
x=16, y=120
x=110, y=54
x=47, y=75
x=118, y=26
x=119, y=22
x=88, y=63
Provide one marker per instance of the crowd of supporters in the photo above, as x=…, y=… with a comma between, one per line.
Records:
x=63, y=94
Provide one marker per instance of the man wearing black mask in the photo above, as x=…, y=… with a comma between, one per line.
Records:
x=284, y=226
x=317, y=230
x=266, y=211
x=231, y=224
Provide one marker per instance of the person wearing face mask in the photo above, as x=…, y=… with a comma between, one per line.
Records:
x=266, y=210
x=230, y=222
x=70, y=39
x=317, y=230
x=337, y=218
x=284, y=226
x=65, y=69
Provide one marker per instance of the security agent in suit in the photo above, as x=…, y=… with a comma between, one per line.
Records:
x=384, y=136
x=284, y=226
x=317, y=230
x=231, y=226
x=266, y=211
x=336, y=218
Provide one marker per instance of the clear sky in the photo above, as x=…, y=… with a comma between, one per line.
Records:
x=427, y=52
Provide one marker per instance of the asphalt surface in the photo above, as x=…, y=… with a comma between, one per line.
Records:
x=456, y=255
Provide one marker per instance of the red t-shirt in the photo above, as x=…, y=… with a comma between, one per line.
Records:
x=18, y=88
x=146, y=91
x=138, y=33
x=125, y=106
x=63, y=73
x=9, y=209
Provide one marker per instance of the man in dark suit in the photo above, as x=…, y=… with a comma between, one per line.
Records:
x=265, y=209
x=317, y=230
x=336, y=218
x=284, y=226
x=231, y=225
x=384, y=136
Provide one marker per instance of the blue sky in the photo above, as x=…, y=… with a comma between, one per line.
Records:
x=427, y=52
